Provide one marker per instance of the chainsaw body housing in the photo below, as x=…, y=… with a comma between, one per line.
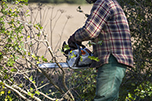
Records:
x=79, y=58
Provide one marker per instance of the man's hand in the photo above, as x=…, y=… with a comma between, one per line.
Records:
x=72, y=41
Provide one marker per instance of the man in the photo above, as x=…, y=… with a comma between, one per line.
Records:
x=107, y=23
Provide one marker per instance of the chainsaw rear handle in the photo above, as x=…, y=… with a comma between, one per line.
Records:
x=75, y=46
x=78, y=46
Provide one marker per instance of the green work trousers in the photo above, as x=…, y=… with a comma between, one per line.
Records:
x=109, y=78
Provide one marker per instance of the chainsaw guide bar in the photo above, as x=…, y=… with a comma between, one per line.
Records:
x=62, y=64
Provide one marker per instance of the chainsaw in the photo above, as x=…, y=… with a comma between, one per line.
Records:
x=75, y=58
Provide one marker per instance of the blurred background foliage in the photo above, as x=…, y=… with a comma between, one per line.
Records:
x=60, y=1
x=56, y=1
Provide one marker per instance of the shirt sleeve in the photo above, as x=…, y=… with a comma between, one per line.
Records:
x=95, y=22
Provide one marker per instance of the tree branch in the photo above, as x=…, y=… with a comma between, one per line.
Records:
x=23, y=91
x=13, y=89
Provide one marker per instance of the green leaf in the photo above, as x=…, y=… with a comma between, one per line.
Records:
x=28, y=36
x=93, y=58
x=2, y=92
x=31, y=89
x=1, y=56
x=33, y=82
x=79, y=7
x=100, y=42
x=87, y=15
x=44, y=59
x=13, y=70
x=21, y=85
x=38, y=62
x=10, y=62
x=66, y=47
x=1, y=83
x=30, y=94
x=6, y=76
x=29, y=53
x=38, y=34
x=9, y=92
x=37, y=92
x=31, y=78
x=73, y=55
x=33, y=56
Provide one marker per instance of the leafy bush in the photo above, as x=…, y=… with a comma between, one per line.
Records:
x=84, y=84
x=137, y=84
x=20, y=41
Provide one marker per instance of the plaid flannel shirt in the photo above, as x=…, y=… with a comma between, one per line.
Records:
x=107, y=23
